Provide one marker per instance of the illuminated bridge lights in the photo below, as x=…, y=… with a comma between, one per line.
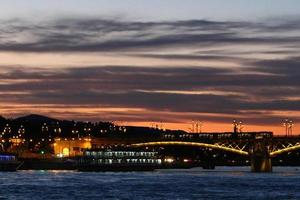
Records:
x=196, y=144
x=223, y=147
x=285, y=150
x=232, y=146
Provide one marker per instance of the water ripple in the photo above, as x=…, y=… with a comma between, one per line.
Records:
x=222, y=183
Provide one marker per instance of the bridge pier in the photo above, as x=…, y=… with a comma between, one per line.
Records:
x=260, y=158
x=261, y=164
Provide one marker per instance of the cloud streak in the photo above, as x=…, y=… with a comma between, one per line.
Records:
x=92, y=35
x=153, y=88
x=223, y=70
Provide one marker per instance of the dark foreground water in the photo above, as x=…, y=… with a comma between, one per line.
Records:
x=222, y=183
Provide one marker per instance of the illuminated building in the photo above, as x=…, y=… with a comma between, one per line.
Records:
x=70, y=147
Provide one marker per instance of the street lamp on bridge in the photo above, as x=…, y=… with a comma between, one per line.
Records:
x=237, y=126
x=288, y=124
x=196, y=126
x=291, y=124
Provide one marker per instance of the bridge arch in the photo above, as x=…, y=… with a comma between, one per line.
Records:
x=285, y=150
x=196, y=144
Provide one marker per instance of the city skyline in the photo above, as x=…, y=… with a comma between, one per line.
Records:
x=157, y=61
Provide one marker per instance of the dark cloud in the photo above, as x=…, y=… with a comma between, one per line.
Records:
x=253, y=86
x=285, y=67
x=157, y=89
x=92, y=35
x=125, y=78
x=194, y=57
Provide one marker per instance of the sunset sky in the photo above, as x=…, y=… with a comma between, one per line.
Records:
x=139, y=61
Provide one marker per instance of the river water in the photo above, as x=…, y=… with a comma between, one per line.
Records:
x=222, y=183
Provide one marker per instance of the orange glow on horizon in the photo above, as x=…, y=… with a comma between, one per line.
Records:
x=215, y=127
x=180, y=121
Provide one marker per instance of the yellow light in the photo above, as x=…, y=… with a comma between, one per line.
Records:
x=66, y=152
x=169, y=160
x=198, y=144
x=285, y=150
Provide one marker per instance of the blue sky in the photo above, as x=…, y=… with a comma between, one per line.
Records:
x=152, y=10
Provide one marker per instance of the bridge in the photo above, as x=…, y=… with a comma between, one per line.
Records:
x=260, y=150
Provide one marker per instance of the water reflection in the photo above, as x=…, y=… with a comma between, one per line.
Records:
x=223, y=182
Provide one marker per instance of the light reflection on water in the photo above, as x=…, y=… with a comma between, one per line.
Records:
x=222, y=183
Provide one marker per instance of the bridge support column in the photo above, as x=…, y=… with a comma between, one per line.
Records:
x=260, y=158
x=261, y=164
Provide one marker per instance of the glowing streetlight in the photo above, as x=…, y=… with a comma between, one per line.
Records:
x=235, y=126
x=240, y=126
x=288, y=124
x=291, y=124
